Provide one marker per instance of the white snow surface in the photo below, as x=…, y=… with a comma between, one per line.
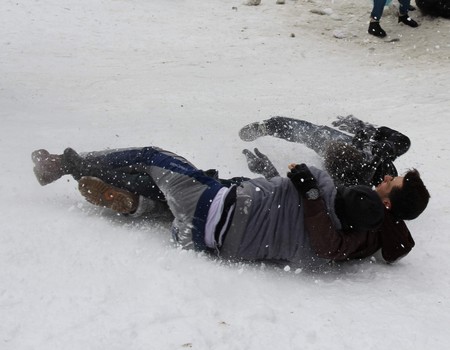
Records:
x=185, y=75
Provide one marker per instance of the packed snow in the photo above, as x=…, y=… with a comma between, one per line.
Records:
x=185, y=75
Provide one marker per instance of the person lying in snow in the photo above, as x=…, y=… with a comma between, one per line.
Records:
x=364, y=154
x=359, y=153
x=278, y=219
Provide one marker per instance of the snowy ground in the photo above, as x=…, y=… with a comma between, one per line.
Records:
x=186, y=75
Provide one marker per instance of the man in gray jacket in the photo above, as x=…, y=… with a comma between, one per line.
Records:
x=259, y=219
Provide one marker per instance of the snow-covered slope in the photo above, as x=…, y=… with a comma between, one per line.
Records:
x=186, y=75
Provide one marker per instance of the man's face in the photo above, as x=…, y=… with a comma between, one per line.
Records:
x=389, y=182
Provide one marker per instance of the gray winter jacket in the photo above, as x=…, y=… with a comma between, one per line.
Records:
x=268, y=222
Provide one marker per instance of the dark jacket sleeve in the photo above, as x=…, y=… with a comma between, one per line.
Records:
x=329, y=243
x=399, y=141
x=393, y=237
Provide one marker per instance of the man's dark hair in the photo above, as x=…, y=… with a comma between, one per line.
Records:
x=410, y=200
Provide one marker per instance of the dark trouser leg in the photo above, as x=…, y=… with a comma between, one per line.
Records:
x=313, y=136
x=404, y=7
x=188, y=191
x=377, y=10
x=104, y=167
x=97, y=164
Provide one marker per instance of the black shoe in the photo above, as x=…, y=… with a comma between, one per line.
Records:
x=405, y=19
x=376, y=30
x=50, y=167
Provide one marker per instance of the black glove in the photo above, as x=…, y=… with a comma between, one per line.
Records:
x=304, y=181
x=352, y=125
x=260, y=164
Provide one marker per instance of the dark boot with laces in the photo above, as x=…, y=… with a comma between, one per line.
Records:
x=405, y=19
x=50, y=167
x=376, y=30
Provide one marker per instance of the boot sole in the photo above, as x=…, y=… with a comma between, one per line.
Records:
x=97, y=192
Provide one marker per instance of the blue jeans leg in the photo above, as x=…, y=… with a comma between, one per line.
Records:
x=377, y=10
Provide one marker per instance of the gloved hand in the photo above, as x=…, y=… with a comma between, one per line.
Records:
x=260, y=164
x=353, y=125
x=304, y=181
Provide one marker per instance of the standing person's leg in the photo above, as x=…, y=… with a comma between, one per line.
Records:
x=377, y=9
x=403, y=15
x=313, y=136
x=375, y=17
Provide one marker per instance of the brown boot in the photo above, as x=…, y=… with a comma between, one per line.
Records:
x=47, y=167
x=100, y=193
